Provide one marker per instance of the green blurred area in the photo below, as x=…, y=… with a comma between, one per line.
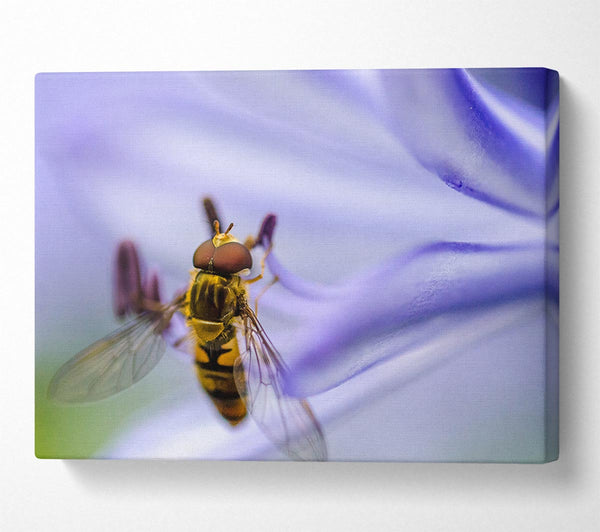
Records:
x=72, y=431
x=83, y=431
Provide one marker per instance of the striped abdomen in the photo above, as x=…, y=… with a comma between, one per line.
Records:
x=214, y=365
x=212, y=307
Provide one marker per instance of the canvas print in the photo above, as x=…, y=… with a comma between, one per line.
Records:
x=343, y=265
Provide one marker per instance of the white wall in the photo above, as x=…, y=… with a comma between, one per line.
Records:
x=187, y=35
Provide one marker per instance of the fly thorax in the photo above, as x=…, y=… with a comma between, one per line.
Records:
x=212, y=298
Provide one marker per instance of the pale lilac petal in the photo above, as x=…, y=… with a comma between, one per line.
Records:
x=178, y=336
x=406, y=382
x=389, y=308
x=444, y=398
x=118, y=146
x=488, y=145
x=301, y=287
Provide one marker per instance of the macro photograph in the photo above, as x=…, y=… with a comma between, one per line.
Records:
x=316, y=265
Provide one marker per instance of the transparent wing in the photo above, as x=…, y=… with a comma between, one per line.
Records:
x=114, y=363
x=287, y=421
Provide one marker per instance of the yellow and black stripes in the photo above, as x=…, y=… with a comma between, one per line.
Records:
x=214, y=366
x=212, y=303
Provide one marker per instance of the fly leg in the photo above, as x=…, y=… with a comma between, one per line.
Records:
x=263, y=263
x=250, y=242
x=262, y=292
x=264, y=239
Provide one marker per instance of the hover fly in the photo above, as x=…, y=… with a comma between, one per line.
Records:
x=216, y=310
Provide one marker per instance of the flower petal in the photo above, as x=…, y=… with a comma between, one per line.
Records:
x=389, y=309
x=427, y=383
x=487, y=144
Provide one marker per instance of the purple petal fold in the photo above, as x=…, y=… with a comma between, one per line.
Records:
x=384, y=311
x=488, y=144
x=552, y=149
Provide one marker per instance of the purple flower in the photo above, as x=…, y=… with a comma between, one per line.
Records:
x=416, y=245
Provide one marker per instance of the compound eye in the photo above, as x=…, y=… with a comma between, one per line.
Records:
x=203, y=254
x=231, y=258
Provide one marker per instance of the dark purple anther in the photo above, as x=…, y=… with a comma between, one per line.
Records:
x=151, y=288
x=211, y=212
x=127, y=280
x=265, y=234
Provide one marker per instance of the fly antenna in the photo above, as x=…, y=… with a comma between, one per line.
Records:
x=229, y=228
x=217, y=226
